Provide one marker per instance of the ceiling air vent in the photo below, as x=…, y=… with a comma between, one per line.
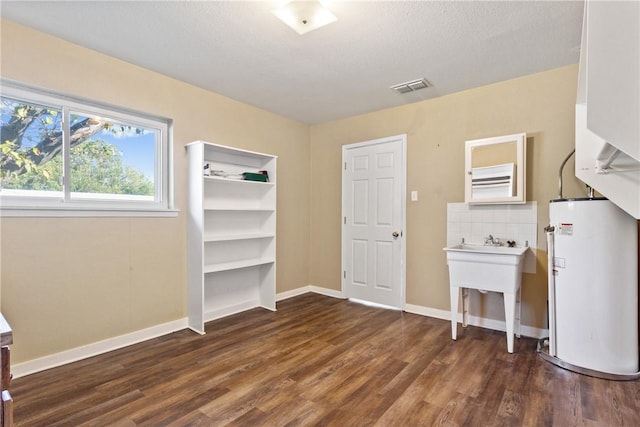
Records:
x=411, y=86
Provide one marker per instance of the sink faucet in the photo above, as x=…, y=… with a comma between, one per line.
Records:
x=493, y=241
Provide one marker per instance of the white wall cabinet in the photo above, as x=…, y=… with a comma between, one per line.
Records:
x=608, y=103
x=612, y=61
x=231, y=230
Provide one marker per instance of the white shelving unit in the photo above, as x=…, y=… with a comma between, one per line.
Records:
x=231, y=234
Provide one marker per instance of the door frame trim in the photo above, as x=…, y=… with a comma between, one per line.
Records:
x=403, y=211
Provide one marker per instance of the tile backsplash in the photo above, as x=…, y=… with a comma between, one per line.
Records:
x=507, y=222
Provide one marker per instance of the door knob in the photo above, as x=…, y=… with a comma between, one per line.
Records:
x=395, y=234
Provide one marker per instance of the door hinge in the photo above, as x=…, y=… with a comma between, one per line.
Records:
x=345, y=220
x=344, y=274
x=345, y=165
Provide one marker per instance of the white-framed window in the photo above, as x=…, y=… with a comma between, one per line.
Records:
x=61, y=155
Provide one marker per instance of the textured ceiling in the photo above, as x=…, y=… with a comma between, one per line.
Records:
x=241, y=50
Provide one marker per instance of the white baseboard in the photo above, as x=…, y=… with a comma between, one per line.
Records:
x=68, y=356
x=310, y=288
x=293, y=293
x=427, y=311
x=328, y=292
x=482, y=322
x=58, y=359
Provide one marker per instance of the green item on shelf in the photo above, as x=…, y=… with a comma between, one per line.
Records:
x=250, y=176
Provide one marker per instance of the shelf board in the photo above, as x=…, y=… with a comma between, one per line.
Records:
x=214, y=150
x=246, y=236
x=214, y=313
x=236, y=181
x=214, y=268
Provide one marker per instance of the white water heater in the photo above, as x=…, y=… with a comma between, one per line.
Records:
x=593, y=286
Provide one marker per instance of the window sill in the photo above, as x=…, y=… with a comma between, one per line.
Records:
x=32, y=212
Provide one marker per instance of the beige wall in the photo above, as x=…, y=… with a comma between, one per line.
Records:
x=68, y=282
x=542, y=105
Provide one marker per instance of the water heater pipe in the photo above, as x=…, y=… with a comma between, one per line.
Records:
x=560, y=173
x=552, y=288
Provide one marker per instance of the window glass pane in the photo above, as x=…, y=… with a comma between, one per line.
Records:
x=59, y=153
x=30, y=148
x=111, y=160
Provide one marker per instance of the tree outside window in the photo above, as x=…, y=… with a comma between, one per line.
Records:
x=105, y=157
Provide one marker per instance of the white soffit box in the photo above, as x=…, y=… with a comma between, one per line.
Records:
x=613, y=173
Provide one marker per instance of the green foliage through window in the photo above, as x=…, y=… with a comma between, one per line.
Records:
x=96, y=167
x=105, y=156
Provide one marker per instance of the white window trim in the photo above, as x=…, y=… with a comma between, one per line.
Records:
x=15, y=205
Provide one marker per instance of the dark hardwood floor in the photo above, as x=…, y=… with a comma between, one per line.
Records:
x=323, y=361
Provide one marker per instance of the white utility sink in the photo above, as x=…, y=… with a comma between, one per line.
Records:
x=486, y=268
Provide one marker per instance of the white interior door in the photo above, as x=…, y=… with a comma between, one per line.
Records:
x=373, y=210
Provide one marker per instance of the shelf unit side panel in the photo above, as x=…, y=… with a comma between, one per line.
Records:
x=267, y=288
x=268, y=272
x=195, y=246
x=270, y=167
